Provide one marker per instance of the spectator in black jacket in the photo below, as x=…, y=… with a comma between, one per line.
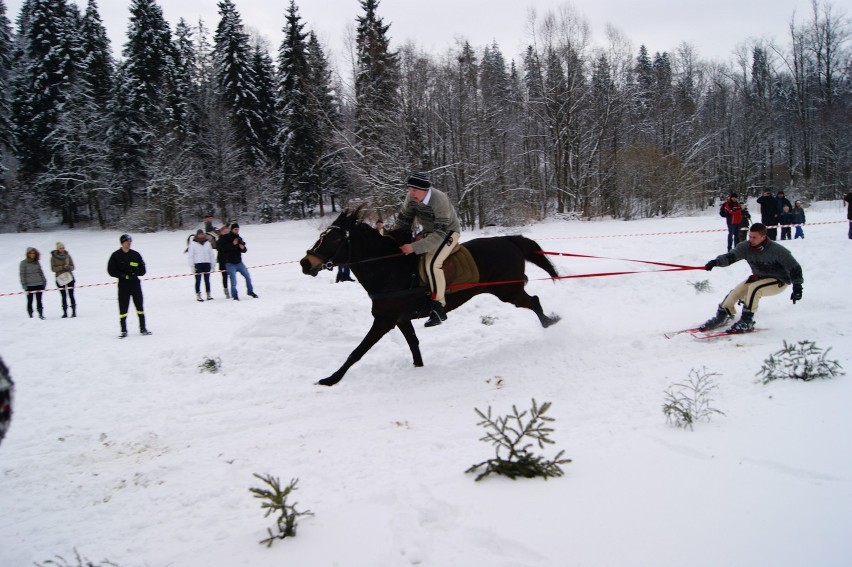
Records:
x=769, y=212
x=848, y=200
x=128, y=266
x=231, y=247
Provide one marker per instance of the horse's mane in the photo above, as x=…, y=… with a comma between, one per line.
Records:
x=355, y=218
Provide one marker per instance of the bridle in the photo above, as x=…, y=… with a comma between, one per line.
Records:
x=327, y=263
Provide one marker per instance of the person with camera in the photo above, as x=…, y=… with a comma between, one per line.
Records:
x=231, y=247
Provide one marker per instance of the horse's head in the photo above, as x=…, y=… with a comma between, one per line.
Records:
x=330, y=244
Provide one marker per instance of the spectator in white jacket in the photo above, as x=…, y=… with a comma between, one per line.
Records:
x=201, y=259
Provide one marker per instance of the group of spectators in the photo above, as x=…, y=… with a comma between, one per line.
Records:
x=127, y=266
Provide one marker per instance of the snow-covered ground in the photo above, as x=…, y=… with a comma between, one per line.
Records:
x=124, y=450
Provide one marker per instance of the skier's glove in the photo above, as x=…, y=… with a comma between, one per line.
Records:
x=710, y=265
x=797, y=293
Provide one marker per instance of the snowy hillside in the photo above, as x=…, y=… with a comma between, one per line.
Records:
x=125, y=451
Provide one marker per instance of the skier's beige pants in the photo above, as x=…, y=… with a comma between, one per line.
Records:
x=750, y=293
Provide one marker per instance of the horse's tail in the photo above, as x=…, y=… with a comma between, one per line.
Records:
x=533, y=253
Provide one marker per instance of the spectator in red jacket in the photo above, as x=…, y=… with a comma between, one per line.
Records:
x=733, y=213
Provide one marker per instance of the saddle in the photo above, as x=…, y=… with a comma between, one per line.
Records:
x=459, y=268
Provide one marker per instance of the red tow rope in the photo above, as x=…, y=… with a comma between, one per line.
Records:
x=668, y=268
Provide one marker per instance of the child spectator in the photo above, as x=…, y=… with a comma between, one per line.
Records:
x=786, y=220
x=799, y=216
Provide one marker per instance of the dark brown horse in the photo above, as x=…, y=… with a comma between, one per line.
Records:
x=393, y=285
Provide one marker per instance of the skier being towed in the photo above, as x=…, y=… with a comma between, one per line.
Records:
x=773, y=268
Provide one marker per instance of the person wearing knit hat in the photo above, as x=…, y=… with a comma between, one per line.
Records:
x=441, y=231
x=128, y=266
x=62, y=267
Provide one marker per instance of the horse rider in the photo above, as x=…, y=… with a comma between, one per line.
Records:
x=441, y=232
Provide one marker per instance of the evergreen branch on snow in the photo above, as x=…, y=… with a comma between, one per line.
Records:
x=275, y=501
x=690, y=402
x=803, y=361
x=512, y=437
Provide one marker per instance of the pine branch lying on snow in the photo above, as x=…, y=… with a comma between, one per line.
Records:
x=512, y=438
x=804, y=361
x=690, y=402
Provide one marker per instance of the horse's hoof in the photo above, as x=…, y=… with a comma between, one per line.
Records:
x=550, y=321
x=330, y=381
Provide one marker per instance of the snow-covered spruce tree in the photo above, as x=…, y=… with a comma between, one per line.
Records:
x=143, y=112
x=6, y=136
x=379, y=164
x=82, y=168
x=324, y=105
x=43, y=71
x=265, y=118
x=296, y=138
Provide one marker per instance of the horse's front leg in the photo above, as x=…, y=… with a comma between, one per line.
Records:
x=411, y=338
x=379, y=329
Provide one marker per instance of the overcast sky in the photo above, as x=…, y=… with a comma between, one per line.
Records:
x=714, y=27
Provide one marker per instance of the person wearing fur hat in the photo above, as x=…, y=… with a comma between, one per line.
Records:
x=62, y=266
x=201, y=259
x=33, y=281
x=441, y=233
x=128, y=266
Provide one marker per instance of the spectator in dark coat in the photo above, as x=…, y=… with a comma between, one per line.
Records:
x=128, y=266
x=769, y=212
x=848, y=200
x=231, y=247
x=782, y=201
x=786, y=220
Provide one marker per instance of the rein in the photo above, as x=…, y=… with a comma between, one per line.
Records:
x=330, y=264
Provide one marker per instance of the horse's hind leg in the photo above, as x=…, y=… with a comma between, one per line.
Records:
x=521, y=298
x=411, y=338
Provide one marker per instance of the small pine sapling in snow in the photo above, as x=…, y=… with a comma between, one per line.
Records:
x=803, y=361
x=690, y=402
x=276, y=502
x=512, y=438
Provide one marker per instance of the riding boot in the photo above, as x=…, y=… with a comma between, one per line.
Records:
x=142, y=328
x=64, y=312
x=436, y=315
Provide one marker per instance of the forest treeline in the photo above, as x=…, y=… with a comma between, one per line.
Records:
x=193, y=119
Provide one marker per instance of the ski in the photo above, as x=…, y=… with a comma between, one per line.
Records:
x=671, y=334
x=714, y=334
